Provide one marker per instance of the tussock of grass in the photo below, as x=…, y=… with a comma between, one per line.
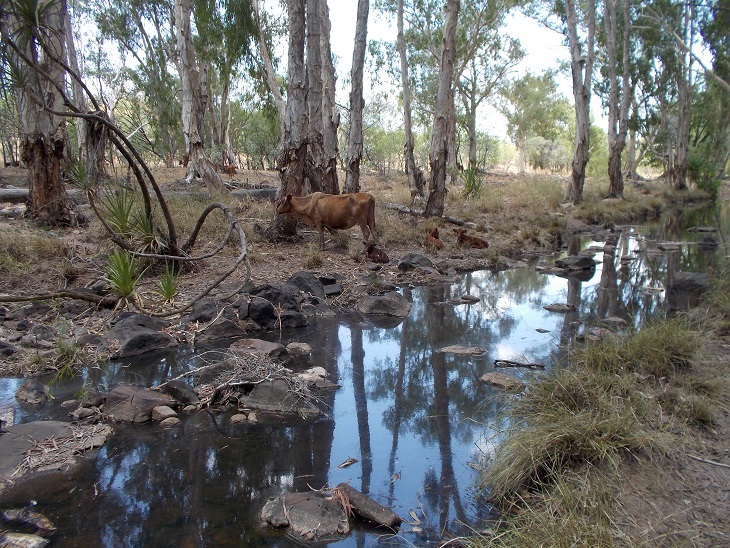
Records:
x=19, y=249
x=573, y=512
x=595, y=411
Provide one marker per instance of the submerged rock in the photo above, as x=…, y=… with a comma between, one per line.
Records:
x=22, y=540
x=259, y=346
x=33, y=391
x=22, y=516
x=576, y=262
x=503, y=381
x=461, y=350
x=389, y=304
x=134, y=404
x=309, y=516
x=685, y=290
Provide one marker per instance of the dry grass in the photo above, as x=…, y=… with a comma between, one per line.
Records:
x=19, y=249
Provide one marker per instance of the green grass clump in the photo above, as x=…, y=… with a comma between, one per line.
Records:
x=595, y=411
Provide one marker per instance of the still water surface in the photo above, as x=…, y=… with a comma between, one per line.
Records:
x=418, y=421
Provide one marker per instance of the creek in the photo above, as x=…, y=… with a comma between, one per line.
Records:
x=419, y=422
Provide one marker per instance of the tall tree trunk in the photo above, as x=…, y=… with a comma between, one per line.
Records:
x=194, y=99
x=225, y=122
x=293, y=145
x=42, y=135
x=684, y=100
x=416, y=180
x=269, y=71
x=521, y=154
x=355, y=144
x=314, y=168
x=330, y=112
x=581, y=67
x=439, y=154
x=78, y=96
x=632, y=162
x=618, y=113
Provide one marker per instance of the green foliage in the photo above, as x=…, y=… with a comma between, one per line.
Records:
x=473, y=181
x=169, y=282
x=121, y=273
x=116, y=207
x=548, y=155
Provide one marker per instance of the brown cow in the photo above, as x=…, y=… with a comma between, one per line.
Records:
x=333, y=212
x=462, y=238
x=230, y=170
x=375, y=254
x=433, y=240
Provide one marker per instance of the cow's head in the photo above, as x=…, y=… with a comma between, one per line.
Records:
x=285, y=205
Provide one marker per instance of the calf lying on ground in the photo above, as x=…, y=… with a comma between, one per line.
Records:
x=433, y=240
x=333, y=212
x=462, y=238
x=374, y=254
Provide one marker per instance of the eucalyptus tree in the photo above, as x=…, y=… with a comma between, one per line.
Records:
x=439, y=154
x=618, y=107
x=582, y=56
x=144, y=31
x=355, y=144
x=484, y=55
x=33, y=35
x=533, y=107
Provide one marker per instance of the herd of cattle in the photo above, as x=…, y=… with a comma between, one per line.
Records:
x=343, y=211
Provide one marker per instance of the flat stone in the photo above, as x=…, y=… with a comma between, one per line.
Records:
x=258, y=346
x=559, y=307
x=32, y=391
x=238, y=418
x=503, y=381
x=170, y=421
x=309, y=516
x=134, y=404
x=389, y=304
x=298, y=348
x=463, y=350
x=162, y=412
x=275, y=396
x=22, y=540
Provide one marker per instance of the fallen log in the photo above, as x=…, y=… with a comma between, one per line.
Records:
x=20, y=195
x=367, y=508
x=510, y=363
x=419, y=213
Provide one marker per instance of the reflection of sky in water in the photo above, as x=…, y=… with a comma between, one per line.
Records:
x=411, y=416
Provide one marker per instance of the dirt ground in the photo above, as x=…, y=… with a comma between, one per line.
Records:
x=688, y=503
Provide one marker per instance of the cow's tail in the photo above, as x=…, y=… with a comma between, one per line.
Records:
x=371, y=219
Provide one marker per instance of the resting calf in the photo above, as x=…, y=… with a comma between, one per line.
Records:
x=433, y=240
x=462, y=238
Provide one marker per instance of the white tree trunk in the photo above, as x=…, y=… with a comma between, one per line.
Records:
x=581, y=66
x=439, y=154
x=416, y=180
x=293, y=144
x=330, y=112
x=314, y=168
x=355, y=145
x=194, y=100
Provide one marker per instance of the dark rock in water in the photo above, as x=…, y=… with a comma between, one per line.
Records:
x=181, y=392
x=258, y=346
x=92, y=398
x=390, y=304
x=284, y=295
x=262, y=312
x=210, y=373
x=292, y=318
x=32, y=391
x=133, y=404
x=7, y=349
x=222, y=328
x=139, y=334
x=369, y=509
x=559, y=307
x=307, y=282
x=576, y=262
x=22, y=516
x=131, y=319
x=685, y=290
x=205, y=310
x=309, y=516
x=414, y=260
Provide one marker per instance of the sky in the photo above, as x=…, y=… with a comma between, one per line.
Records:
x=544, y=49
